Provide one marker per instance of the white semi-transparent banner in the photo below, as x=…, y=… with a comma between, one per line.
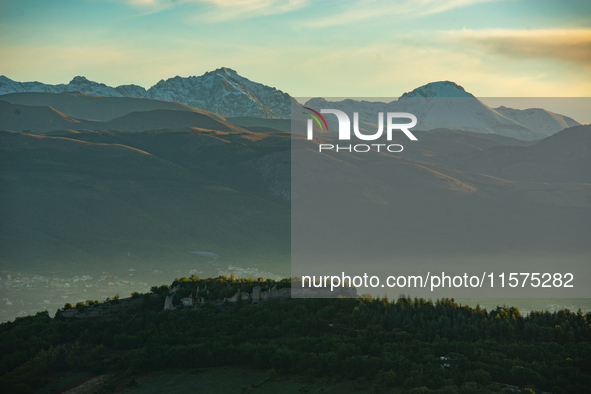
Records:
x=441, y=197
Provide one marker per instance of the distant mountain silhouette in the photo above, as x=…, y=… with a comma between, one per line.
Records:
x=442, y=104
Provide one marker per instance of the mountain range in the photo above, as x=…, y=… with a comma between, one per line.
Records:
x=92, y=183
x=224, y=92
x=79, y=159
x=446, y=104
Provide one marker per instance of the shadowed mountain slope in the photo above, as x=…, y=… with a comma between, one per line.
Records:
x=41, y=119
x=564, y=157
x=84, y=106
x=91, y=204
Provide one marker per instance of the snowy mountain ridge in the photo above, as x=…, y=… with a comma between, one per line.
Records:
x=222, y=91
x=438, y=89
x=442, y=104
x=446, y=104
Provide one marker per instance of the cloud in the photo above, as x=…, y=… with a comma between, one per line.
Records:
x=434, y=7
x=222, y=10
x=364, y=10
x=242, y=9
x=350, y=12
x=562, y=45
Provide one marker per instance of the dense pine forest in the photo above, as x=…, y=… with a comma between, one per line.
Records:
x=380, y=345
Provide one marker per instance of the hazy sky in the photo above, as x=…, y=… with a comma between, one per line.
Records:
x=307, y=48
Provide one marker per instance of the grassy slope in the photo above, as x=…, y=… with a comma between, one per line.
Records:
x=84, y=106
x=95, y=196
x=71, y=201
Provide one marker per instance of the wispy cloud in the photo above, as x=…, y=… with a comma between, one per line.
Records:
x=222, y=10
x=563, y=45
x=435, y=6
x=347, y=12
x=363, y=10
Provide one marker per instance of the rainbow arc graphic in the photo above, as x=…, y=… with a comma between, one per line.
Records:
x=316, y=118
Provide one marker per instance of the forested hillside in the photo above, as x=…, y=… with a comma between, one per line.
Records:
x=378, y=344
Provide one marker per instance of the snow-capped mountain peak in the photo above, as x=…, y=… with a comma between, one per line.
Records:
x=82, y=84
x=438, y=89
x=79, y=79
x=224, y=70
x=446, y=104
x=225, y=92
